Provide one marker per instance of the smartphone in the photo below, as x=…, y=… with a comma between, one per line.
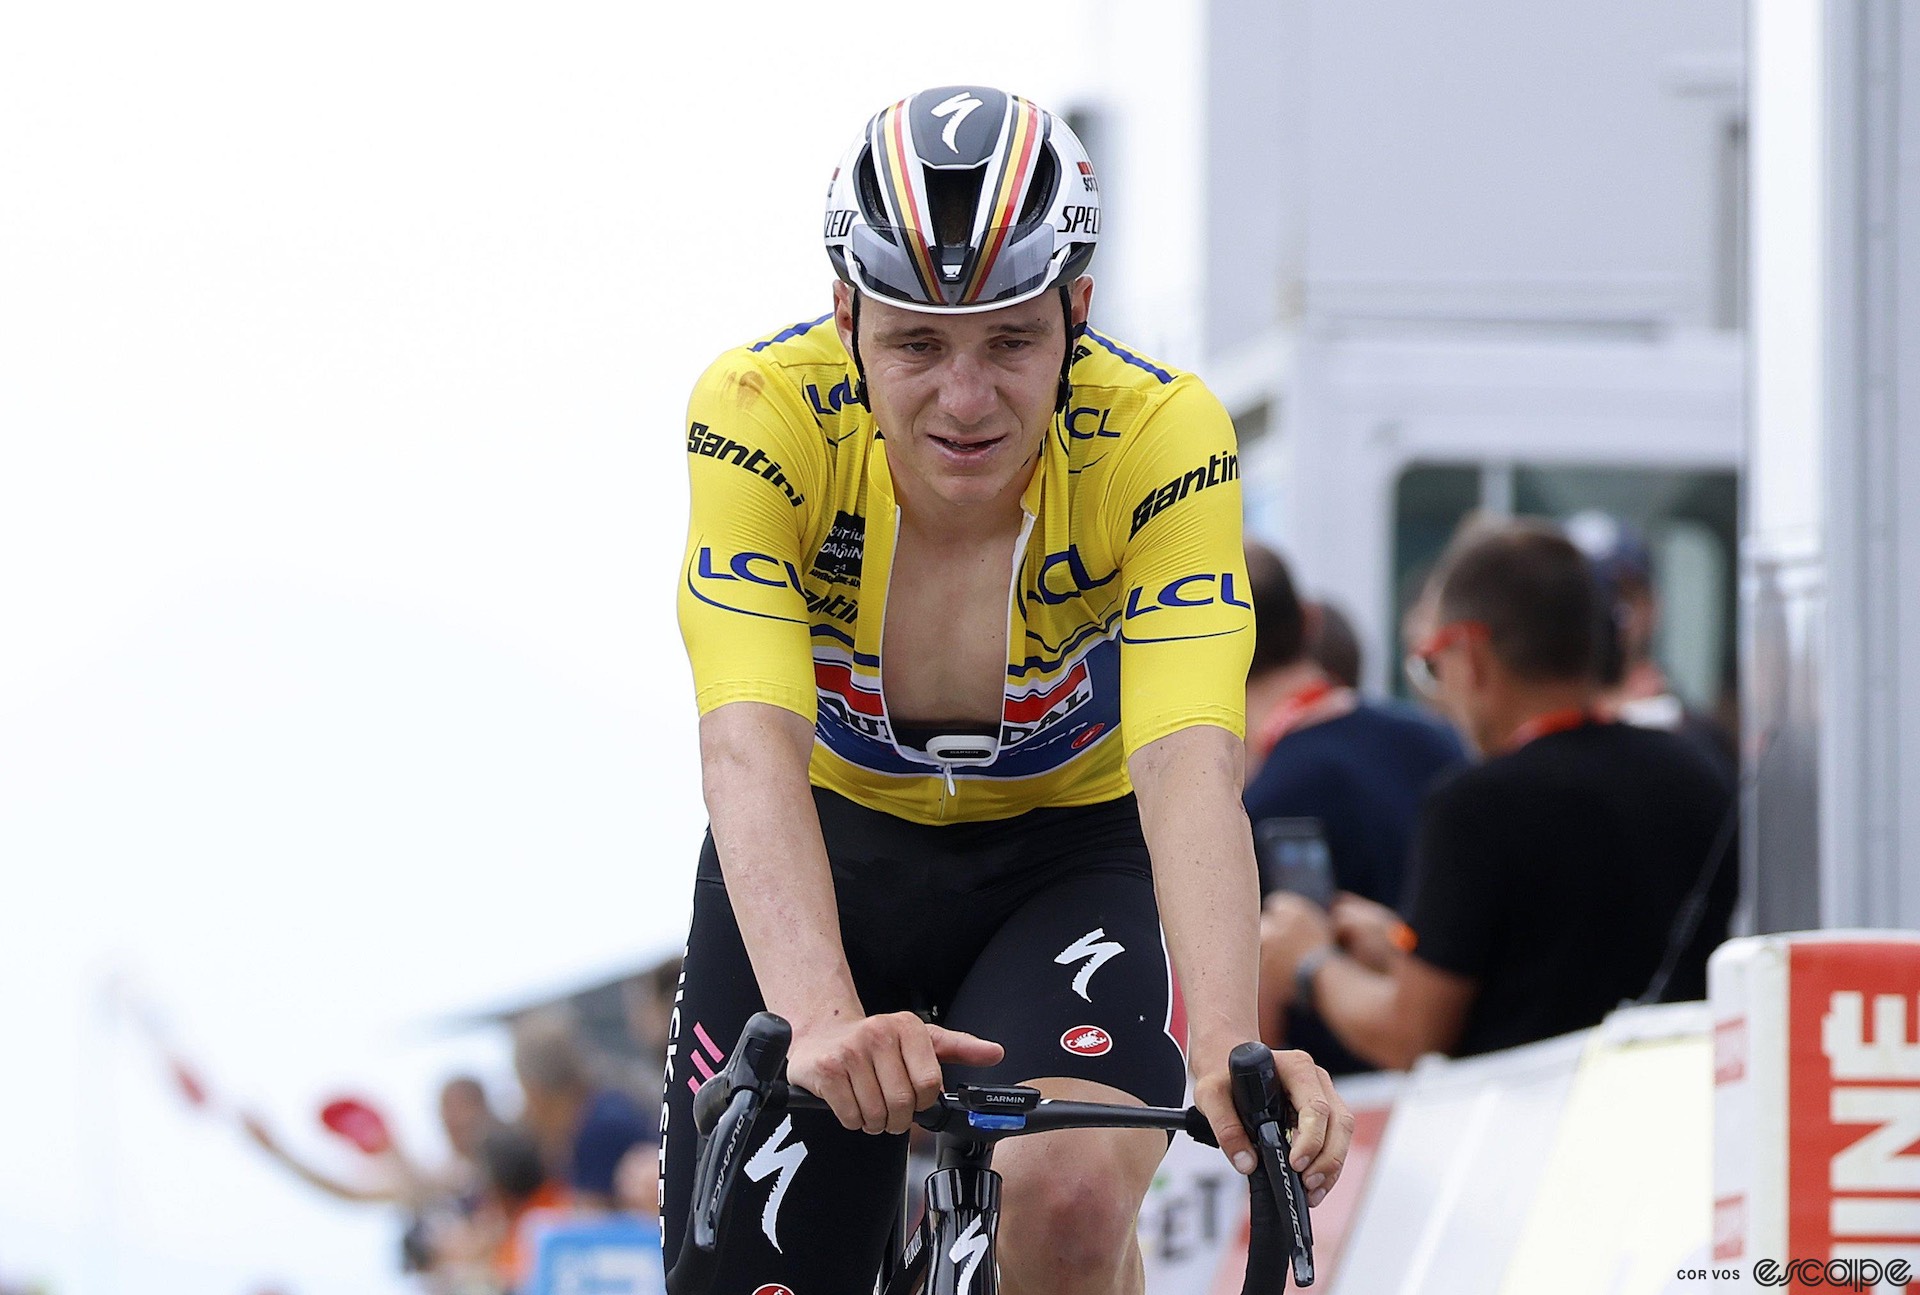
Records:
x=1293, y=856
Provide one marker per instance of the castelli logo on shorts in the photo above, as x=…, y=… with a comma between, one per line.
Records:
x=1087, y=1041
x=774, y=1289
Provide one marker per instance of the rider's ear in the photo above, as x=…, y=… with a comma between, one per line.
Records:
x=1080, y=293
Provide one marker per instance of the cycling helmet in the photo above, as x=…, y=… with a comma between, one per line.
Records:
x=962, y=199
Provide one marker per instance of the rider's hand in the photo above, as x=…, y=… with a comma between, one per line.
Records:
x=1320, y=1138
x=876, y=1071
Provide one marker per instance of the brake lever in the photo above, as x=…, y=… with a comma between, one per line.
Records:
x=1276, y=1152
x=1265, y=1112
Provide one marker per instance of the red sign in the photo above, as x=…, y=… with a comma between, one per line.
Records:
x=1087, y=1041
x=1853, y=1102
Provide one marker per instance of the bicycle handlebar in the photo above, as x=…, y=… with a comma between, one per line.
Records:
x=728, y=1107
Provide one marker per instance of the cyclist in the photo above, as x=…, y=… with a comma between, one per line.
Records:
x=964, y=578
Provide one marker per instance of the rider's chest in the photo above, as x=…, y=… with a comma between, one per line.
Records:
x=944, y=643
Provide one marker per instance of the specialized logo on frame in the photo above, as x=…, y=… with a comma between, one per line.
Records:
x=967, y=1252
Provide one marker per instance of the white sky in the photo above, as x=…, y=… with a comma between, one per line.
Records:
x=342, y=357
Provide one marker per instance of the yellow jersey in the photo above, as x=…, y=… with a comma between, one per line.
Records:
x=1128, y=616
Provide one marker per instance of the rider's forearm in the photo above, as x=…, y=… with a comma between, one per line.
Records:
x=1206, y=882
x=753, y=760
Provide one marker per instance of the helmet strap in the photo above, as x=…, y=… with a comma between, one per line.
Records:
x=1065, y=395
x=859, y=369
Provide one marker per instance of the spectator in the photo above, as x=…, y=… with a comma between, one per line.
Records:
x=583, y=1130
x=1332, y=642
x=1585, y=863
x=491, y=1250
x=1354, y=767
x=398, y=1180
x=1633, y=686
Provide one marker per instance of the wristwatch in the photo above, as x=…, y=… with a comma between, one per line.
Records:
x=1303, y=996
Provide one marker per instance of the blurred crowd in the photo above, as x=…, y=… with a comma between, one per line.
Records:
x=1541, y=833
x=581, y=1152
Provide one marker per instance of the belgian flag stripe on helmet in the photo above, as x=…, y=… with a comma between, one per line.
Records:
x=1006, y=203
x=906, y=200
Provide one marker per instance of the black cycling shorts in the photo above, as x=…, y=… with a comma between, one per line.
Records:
x=1039, y=932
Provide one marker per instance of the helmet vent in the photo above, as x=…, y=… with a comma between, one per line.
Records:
x=1046, y=178
x=954, y=197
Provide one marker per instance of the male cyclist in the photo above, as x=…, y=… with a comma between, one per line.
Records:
x=964, y=579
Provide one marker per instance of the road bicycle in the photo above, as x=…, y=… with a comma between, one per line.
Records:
x=950, y=1251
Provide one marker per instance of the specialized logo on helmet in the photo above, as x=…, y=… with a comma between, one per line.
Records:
x=957, y=108
x=773, y=1288
x=770, y=1159
x=1087, y=1041
x=1097, y=949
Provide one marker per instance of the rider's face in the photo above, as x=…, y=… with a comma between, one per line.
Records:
x=963, y=400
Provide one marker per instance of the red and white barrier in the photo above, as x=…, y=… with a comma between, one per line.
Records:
x=1817, y=1110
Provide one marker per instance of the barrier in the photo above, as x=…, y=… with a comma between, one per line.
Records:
x=1816, y=1110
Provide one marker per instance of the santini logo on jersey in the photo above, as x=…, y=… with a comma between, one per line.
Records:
x=712, y=445
x=1220, y=467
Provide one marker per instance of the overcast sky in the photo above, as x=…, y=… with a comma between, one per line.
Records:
x=342, y=354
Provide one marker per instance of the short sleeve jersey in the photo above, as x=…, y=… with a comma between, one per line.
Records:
x=1128, y=616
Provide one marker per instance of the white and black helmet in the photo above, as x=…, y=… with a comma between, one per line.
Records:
x=962, y=199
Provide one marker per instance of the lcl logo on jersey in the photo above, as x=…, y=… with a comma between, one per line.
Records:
x=755, y=568
x=1054, y=585
x=1087, y=1041
x=1201, y=589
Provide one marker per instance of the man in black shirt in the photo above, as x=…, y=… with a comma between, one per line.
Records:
x=1583, y=864
x=1323, y=756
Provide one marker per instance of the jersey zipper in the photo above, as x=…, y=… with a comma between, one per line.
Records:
x=950, y=791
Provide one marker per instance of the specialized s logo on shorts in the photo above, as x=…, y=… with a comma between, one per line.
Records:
x=1097, y=949
x=774, y=1158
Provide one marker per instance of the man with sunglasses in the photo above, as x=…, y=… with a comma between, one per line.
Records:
x=1583, y=863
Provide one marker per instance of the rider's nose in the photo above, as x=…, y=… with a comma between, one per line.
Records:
x=966, y=390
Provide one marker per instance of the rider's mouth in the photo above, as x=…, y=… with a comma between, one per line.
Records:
x=966, y=448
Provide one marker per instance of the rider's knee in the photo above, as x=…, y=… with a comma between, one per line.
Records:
x=1081, y=1213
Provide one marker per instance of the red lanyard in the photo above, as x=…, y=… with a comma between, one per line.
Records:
x=1287, y=714
x=1554, y=721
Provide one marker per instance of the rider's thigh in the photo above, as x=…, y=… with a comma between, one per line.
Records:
x=814, y=1202
x=1076, y=983
x=1070, y=1200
